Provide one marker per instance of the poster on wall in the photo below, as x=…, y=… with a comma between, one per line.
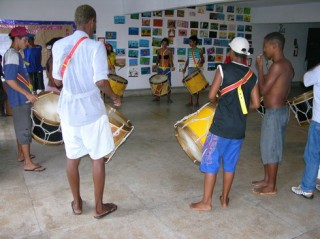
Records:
x=145, y=70
x=121, y=51
x=133, y=44
x=119, y=19
x=145, y=31
x=133, y=53
x=157, y=31
x=133, y=72
x=133, y=31
x=144, y=52
x=144, y=43
x=133, y=62
x=111, y=35
x=134, y=16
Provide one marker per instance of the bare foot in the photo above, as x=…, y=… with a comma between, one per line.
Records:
x=22, y=159
x=224, y=203
x=260, y=183
x=107, y=208
x=200, y=206
x=265, y=191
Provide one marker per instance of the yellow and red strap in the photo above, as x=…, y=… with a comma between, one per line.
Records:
x=24, y=81
x=237, y=86
x=66, y=60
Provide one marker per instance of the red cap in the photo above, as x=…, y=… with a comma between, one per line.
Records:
x=20, y=32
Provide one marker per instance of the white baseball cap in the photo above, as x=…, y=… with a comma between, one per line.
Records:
x=240, y=45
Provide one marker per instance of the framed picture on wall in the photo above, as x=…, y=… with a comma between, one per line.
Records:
x=144, y=43
x=133, y=31
x=211, y=50
x=180, y=13
x=102, y=39
x=145, y=70
x=145, y=21
x=119, y=19
x=157, y=22
x=121, y=51
x=146, y=14
x=157, y=31
x=133, y=72
x=144, y=52
x=171, y=23
x=156, y=41
x=133, y=53
x=133, y=62
x=194, y=32
x=169, y=13
x=134, y=16
x=194, y=24
x=182, y=32
x=145, y=31
x=133, y=44
x=111, y=35
x=157, y=13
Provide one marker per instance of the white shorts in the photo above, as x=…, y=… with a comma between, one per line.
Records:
x=94, y=139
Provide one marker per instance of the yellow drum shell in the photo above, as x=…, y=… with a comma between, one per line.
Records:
x=159, y=85
x=118, y=84
x=191, y=132
x=195, y=82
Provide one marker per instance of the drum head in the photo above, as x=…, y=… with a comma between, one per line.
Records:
x=158, y=79
x=301, y=98
x=117, y=78
x=46, y=107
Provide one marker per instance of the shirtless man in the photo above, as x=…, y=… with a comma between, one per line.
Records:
x=275, y=88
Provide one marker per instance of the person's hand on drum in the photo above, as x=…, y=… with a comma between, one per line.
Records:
x=117, y=100
x=31, y=98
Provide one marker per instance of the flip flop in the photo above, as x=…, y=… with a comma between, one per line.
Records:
x=112, y=206
x=32, y=156
x=262, y=193
x=74, y=212
x=36, y=169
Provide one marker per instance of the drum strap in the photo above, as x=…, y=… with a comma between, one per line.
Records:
x=24, y=81
x=237, y=86
x=66, y=60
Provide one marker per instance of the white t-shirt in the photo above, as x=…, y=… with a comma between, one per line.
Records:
x=80, y=102
x=313, y=78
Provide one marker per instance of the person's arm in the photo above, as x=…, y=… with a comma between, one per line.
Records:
x=215, y=86
x=185, y=66
x=255, y=98
x=158, y=58
x=171, y=61
x=312, y=76
x=202, y=60
x=14, y=85
x=105, y=87
x=266, y=82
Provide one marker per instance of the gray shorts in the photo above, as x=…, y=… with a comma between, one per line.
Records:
x=22, y=123
x=273, y=129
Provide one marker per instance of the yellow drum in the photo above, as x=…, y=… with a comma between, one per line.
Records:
x=192, y=130
x=118, y=84
x=121, y=128
x=159, y=84
x=195, y=82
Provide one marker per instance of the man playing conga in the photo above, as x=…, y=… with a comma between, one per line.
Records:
x=84, y=122
x=238, y=92
x=274, y=87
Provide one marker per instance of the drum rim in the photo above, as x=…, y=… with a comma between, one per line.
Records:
x=129, y=126
x=40, y=117
x=159, y=82
x=184, y=146
x=125, y=80
x=187, y=76
x=302, y=97
x=203, y=88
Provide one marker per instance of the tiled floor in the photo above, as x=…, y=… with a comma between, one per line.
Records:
x=153, y=181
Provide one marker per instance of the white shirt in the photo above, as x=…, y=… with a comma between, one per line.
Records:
x=313, y=78
x=80, y=102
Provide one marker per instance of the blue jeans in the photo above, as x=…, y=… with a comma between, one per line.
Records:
x=311, y=158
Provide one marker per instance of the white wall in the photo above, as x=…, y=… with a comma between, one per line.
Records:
x=63, y=10
x=293, y=31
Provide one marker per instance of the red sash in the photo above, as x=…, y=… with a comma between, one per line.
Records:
x=66, y=60
x=237, y=84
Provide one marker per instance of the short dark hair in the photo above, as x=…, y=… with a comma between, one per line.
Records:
x=165, y=40
x=84, y=13
x=194, y=38
x=276, y=37
x=242, y=56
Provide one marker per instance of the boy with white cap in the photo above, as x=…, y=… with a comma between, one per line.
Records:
x=238, y=91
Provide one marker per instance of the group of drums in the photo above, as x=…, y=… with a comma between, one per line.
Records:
x=190, y=131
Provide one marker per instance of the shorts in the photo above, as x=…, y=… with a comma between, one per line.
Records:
x=218, y=148
x=22, y=123
x=94, y=139
x=273, y=129
x=166, y=71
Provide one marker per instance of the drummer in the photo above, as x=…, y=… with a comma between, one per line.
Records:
x=111, y=59
x=194, y=61
x=164, y=64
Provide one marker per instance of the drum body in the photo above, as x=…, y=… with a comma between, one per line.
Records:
x=191, y=131
x=46, y=121
x=302, y=107
x=121, y=128
x=195, y=82
x=159, y=85
x=118, y=84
